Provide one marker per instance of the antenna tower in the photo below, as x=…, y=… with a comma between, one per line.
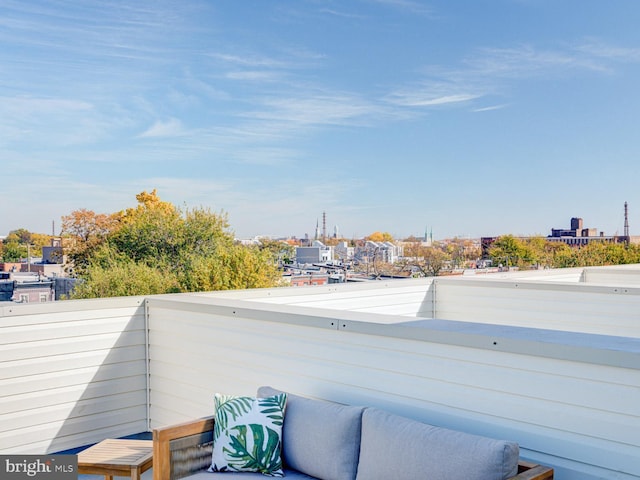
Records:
x=626, y=221
x=324, y=227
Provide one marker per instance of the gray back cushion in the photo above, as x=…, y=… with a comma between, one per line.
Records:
x=320, y=438
x=394, y=447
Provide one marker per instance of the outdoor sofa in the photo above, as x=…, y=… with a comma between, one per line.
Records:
x=331, y=441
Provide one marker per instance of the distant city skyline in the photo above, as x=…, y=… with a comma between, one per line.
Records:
x=427, y=234
x=473, y=119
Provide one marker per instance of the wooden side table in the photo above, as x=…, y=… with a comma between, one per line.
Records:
x=117, y=458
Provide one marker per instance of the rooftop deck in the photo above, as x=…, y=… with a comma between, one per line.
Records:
x=550, y=359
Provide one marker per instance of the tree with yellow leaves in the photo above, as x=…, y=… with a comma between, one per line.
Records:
x=380, y=237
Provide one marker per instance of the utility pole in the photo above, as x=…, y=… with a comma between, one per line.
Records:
x=28, y=257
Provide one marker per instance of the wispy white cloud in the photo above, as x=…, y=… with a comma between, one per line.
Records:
x=490, y=108
x=604, y=51
x=27, y=106
x=169, y=128
x=32, y=121
x=318, y=109
x=249, y=60
x=60, y=192
x=420, y=98
x=254, y=76
x=407, y=5
x=122, y=30
x=527, y=60
x=300, y=203
x=489, y=69
x=205, y=87
x=267, y=156
x=186, y=190
x=342, y=14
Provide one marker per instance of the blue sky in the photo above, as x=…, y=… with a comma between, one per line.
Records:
x=464, y=117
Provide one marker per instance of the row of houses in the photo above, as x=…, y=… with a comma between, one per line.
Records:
x=320, y=264
x=33, y=287
x=36, y=280
x=318, y=252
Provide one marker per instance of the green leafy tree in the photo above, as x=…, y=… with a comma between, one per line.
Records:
x=157, y=248
x=118, y=276
x=508, y=250
x=21, y=243
x=562, y=255
x=538, y=251
x=534, y=252
x=280, y=252
x=13, y=252
x=434, y=261
x=233, y=267
x=430, y=261
x=606, y=253
x=461, y=251
x=21, y=235
x=39, y=240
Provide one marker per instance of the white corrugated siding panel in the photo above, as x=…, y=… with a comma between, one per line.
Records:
x=579, y=308
x=407, y=297
x=71, y=373
x=185, y=344
x=567, y=275
x=622, y=275
x=579, y=416
x=561, y=412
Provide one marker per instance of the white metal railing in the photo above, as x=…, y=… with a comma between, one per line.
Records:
x=72, y=373
x=568, y=397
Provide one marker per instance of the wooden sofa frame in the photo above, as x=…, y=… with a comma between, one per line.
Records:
x=182, y=449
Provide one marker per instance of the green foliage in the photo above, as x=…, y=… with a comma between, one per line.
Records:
x=124, y=278
x=433, y=261
x=21, y=235
x=20, y=243
x=540, y=252
x=13, y=252
x=157, y=248
x=151, y=236
x=508, y=250
x=230, y=268
x=281, y=252
x=429, y=261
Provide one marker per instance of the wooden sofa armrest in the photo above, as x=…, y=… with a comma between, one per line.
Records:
x=171, y=439
x=532, y=471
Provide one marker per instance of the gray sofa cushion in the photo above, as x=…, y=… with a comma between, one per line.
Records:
x=205, y=475
x=320, y=438
x=403, y=449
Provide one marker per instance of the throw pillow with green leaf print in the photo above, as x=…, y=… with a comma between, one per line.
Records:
x=247, y=434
